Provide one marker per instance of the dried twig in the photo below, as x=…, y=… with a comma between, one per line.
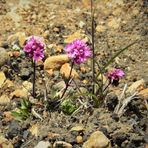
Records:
x=36, y=114
x=28, y=142
x=125, y=103
x=120, y=99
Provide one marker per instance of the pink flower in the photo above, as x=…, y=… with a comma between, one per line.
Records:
x=78, y=51
x=115, y=75
x=34, y=48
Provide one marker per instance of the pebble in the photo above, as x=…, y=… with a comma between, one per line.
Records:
x=62, y=144
x=2, y=78
x=25, y=74
x=4, y=143
x=98, y=140
x=55, y=62
x=79, y=139
x=43, y=144
x=136, y=86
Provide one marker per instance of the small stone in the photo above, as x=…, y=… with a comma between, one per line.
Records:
x=100, y=28
x=83, y=90
x=59, y=85
x=4, y=99
x=79, y=139
x=86, y=3
x=57, y=30
x=50, y=72
x=4, y=44
x=111, y=101
x=146, y=137
x=43, y=144
x=62, y=144
x=25, y=74
x=4, y=143
x=77, y=35
x=144, y=93
x=78, y=128
x=4, y=57
x=19, y=93
x=45, y=34
x=81, y=24
x=13, y=130
x=27, y=85
x=34, y=17
x=114, y=23
x=8, y=83
x=65, y=71
x=136, y=86
x=83, y=69
x=53, y=135
x=19, y=36
x=118, y=138
x=59, y=48
x=97, y=140
x=8, y=116
x=55, y=62
x=34, y=130
x=2, y=78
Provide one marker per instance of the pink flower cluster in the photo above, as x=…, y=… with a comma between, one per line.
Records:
x=78, y=51
x=34, y=48
x=115, y=75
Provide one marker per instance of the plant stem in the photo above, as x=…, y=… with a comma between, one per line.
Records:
x=67, y=83
x=106, y=87
x=117, y=54
x=34, y=77
x=93, y=47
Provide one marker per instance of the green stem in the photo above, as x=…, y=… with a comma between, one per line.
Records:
x=106, y=86
x=67, y=83
x=93, y=47
x=34, y=77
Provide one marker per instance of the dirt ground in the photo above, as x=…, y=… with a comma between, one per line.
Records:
x=117, y=24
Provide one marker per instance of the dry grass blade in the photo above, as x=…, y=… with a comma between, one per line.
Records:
x=125, y=103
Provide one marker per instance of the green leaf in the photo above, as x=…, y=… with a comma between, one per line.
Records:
x=117, y=54
x=15, y=114
x=67, y=107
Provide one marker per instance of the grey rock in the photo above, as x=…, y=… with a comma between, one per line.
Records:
x=118, y=138
x=146, y=137
x=14, y=129
x=4, y=57
x=25, y=74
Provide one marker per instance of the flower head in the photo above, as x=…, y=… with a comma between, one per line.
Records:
x=115, y=75
x=34, y=48
x=78, y=51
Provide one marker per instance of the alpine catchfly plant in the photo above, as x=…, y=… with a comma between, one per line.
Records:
x=34, y=48
x=78, y=51
x=114, y=76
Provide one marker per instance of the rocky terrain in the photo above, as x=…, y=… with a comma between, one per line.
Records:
x=117, y=24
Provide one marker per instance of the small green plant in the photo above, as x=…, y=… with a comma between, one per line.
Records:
x=23, y=110
x=68, y=107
